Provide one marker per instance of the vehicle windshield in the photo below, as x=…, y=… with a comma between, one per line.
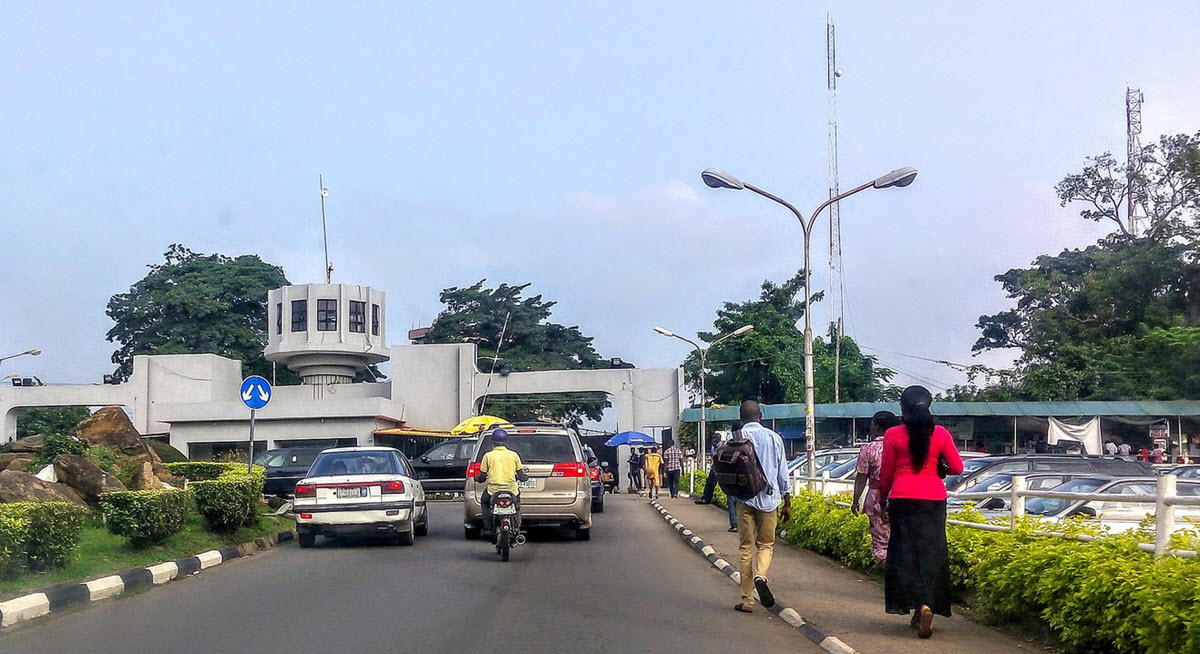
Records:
x=534, y=448
x=843, y=468
x=332, y=464
x=992, y=483
x=285, y=459
x=970, y=467
x=1046, y=506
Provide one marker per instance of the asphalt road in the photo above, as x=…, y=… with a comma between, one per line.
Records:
x=634, y=587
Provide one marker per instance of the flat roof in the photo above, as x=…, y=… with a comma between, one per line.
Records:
x=1148, y=408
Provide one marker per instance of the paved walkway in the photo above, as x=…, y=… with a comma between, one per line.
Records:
x=844, y=603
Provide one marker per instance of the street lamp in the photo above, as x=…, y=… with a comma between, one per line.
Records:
x=898, y=178
x=703, y=352
x=31, y=352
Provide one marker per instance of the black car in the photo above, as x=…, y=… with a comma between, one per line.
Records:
x=443, y=468
x=975, y=470
x=285, y=467
x=596, y=474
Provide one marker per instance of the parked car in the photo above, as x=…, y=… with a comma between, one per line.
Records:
x=364, y=490
x=1190, y=471
x=285, y=467
x=443, y=468
x=1002, y=482
x=975, y=470
x=596, y=475
x=559, y=490
x=798, y=467
x=1116, y=516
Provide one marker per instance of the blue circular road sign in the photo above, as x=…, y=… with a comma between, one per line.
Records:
x=255, y=392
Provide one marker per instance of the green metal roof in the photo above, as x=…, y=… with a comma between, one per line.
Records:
x=1150, y=408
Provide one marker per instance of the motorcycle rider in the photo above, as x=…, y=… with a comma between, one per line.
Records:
x=500, y=469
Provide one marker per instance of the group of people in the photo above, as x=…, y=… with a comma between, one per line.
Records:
x=650, y=466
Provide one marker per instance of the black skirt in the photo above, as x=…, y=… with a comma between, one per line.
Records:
x=918, y=562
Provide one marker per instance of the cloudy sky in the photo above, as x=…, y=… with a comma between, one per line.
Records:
x=561, y=144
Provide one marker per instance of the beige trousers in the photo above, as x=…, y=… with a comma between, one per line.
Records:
x=756, y=529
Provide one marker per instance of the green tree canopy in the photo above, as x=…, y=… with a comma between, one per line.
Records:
x=475, y=314
x=196, y=303
x=50, y=420
x=1121, y=318
x=768, y=363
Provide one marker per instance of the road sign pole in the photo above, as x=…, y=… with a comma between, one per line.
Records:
x=250, y=456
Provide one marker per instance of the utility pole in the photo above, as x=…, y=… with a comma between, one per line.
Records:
x=837, y=307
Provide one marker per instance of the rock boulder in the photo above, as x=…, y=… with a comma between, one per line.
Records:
x=84, y=477
x=15, y=461
x=110, y=427
x=144, y=478
x=28, y=445
x=24, y=487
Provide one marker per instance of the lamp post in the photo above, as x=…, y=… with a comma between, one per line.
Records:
x=898, y=178
x=703, y=352
x=31, y=352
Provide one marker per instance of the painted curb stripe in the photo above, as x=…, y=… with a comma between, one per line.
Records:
x=137, y=578
x=188, y=565
x=163, y=572
x=787, y=614
x=23, y=608
x=231, y=552
x=60, y=597
x=103, y=588
x=209, y=559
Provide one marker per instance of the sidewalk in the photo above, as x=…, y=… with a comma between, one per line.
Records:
x=844, y=603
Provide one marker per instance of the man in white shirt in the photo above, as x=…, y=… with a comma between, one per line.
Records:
x=1110, y=448
x=1124, y=449
x=757, y=517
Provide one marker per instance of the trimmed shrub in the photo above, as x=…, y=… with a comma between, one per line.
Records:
x=231, y=499
x=146, y=517
x=198, y=470
x=14, y=534
x=54, y=530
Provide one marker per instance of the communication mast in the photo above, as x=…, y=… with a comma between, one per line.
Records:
x=1133, y=151
x=836, y=278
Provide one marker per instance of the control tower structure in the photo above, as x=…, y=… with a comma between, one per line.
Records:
x=326, y=333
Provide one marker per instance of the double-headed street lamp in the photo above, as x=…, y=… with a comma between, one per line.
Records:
x=898, y=178
x=703, y=352
x=31, y=352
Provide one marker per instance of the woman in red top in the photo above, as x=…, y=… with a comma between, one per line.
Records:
x=916, y=455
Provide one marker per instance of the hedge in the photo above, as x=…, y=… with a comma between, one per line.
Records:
x=228, y=500
x=701, y=478
x=146, y=517
x=40, y=535
x=1100, y=596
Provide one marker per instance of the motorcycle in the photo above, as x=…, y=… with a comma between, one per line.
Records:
x=506, y=523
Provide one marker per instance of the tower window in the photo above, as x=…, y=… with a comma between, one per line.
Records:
x=358, y=317
x=375, y=319
x=327, y=315
x=279, y=318
x=299, y=315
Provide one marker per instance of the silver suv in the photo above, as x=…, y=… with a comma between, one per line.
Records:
x=558, y=492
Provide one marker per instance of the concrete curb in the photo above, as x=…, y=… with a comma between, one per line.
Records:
x=64, y=596
x=812, y=632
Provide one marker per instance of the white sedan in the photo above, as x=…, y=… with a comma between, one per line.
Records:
x=360, y=490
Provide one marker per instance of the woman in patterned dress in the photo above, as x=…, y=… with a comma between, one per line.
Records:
x=870, y=462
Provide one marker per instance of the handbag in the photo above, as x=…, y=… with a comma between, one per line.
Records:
x=943, y=466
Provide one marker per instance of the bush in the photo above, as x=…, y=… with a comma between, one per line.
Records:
x=228, y=499
x=40, y=535
x=719, y=498
x=1101, y=596
x=58, y=444
x=146, y=517
x=103, y=457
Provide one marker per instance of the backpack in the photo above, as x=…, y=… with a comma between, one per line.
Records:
x=737, y=469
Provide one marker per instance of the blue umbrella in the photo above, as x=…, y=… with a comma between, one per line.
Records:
x=630, y=438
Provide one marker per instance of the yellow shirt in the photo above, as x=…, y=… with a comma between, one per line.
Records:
x=501, y=466
x=653, y=461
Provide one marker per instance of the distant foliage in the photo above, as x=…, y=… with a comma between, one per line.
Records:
x=59, y=444
x=50, y=420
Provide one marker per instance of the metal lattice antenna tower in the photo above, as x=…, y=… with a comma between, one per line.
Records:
x=1133, y=152
x=836, y=286
x=324, y=231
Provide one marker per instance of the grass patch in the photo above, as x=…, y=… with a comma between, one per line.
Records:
x=100, y=553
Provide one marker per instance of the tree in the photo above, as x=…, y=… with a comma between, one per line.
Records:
x=194, y=303
x=50, y=420
x=1119, y=319
x=768, y=363
x=476, y=314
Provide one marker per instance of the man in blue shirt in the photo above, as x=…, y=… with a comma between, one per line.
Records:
x=757, y=516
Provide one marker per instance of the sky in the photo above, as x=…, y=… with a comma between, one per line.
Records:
x=561, y=144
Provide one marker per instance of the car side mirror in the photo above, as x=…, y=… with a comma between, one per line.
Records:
x=424, y=459
x=993, y=503
x=1085, y=511
x=592, y=463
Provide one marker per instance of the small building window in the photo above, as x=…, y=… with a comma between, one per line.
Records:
x=279, y=318
x=374, y=319
x=358, y=317
x=327, y=315
x=299, y=315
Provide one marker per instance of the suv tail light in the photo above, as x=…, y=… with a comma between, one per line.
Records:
x=392, y=487
x=594, y=474
x=473, y=470
x=306, y=490
x=568, y=470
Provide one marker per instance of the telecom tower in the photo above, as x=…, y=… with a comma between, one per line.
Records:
x=1133, y=151
x=836, y=278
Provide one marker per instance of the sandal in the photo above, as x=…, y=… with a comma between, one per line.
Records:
x=742, y=608
x=925, y=628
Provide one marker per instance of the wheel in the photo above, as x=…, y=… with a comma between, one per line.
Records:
x=406, y=538
x=504, y=546
x=583, y=534
x=422, y=528
x=472, y=533
x=306, y=540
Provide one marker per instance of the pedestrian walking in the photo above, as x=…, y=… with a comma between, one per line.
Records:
x=673, y=462
x=915, y=455
x=710, y=482
x=757, y=517
x=652, y=464
x=870, y=464
x=635, y=469
x=731, y=501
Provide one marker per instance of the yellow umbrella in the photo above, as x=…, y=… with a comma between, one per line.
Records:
x=479, y=423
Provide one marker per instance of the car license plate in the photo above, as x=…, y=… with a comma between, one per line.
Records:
x=348, y=493
x=504, y=510
x=530, y=483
